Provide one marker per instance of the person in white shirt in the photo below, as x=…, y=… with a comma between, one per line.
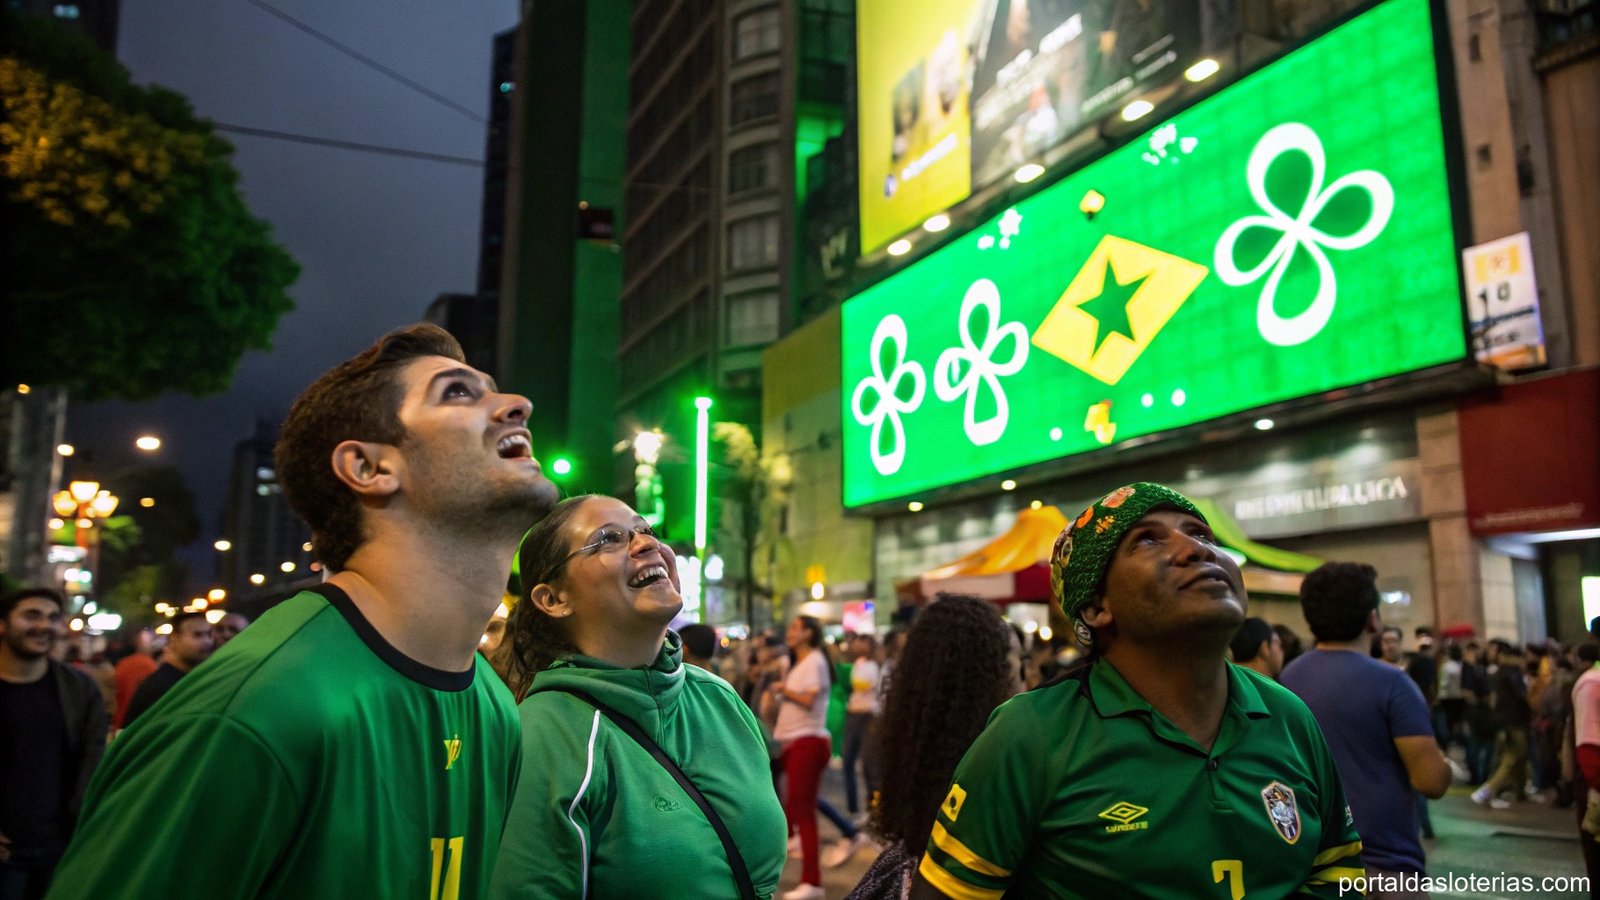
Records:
x=860, y=712
x=802, y=733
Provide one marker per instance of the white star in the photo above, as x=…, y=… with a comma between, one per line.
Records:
x=1011, y=223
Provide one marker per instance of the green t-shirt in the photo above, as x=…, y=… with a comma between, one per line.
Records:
x=307, y=758
x=1080, y=789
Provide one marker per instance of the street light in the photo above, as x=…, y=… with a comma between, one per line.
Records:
x=148, y=443
x=84, y=502
x=223, y=545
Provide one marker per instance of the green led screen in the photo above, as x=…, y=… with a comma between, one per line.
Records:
x=1290, y=235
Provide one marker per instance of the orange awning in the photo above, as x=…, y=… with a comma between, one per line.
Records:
x=1014, y=567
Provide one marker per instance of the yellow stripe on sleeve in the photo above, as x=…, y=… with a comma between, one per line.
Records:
x=1339, y=852
x=963, y=854
x=1332, y=874
x=951, y=886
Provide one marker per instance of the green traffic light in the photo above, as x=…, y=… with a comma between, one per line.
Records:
x=561, y=466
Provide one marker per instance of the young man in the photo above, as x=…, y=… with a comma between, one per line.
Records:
x=1259, y=648
x=1375, y=720
x=52, y=734
x=189, y=645
x=1155, y=769
x=349, y=743
x=228, y=628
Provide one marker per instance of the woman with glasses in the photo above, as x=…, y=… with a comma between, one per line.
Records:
x=600, y=677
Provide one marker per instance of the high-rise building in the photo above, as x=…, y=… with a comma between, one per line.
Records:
x=268, y=551
x=561, y=266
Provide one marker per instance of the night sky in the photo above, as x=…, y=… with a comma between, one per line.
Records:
x=377, y=236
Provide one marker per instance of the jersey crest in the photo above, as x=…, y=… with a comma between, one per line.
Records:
x=1282, y=810
x=452, y=751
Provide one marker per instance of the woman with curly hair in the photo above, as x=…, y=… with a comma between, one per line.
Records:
x=607, y=704
x=961, y=660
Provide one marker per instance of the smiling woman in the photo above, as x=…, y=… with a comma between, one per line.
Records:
x=626, y=740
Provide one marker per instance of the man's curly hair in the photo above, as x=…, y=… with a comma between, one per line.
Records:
x=953, y=672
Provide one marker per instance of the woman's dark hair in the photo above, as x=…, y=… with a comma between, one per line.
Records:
x=814, y=625
x=537, y=640
x=950, y=677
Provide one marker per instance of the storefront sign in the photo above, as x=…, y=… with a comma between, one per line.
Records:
x=1503, y=303
x=1302, y=241
x=1375, y=496
x=1530, y=455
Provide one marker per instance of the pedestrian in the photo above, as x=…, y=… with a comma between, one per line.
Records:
x=52, y=735
x=350, y=743
x=959, y=663
x=1375, y=720
x=1586, y=756
x=1153, y=768
x=131, y=671
x=189, y=645
x=1258, y=647
x=614, y=716
x=228, y=627
x=1512, y=717
x=861, y=710
x=802, y=736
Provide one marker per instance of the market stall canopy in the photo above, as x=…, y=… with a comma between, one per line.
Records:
x=1015, y=567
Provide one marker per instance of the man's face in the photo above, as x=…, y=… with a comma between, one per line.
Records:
x=227, y=628
x=467, y=448
x=1273, y=654
x=191, y=642
x=1391, y=646
x=33, y=628
x=1168, y=577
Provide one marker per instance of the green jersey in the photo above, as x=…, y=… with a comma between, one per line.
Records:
x=307, y=758
x=1081, y=789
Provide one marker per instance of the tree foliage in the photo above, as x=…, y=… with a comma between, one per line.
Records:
x=133, y=265
x=755, y=487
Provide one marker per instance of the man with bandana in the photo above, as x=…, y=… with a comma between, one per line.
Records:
x=1153, y=768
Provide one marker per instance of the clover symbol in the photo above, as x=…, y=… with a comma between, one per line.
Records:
x=888, y=406
x=1299, y=231
x=981, y=367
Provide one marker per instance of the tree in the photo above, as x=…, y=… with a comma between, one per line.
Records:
x=142, y=569
x=133, y=265
x=755, y=489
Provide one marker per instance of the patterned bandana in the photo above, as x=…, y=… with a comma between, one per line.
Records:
x=1083, y=551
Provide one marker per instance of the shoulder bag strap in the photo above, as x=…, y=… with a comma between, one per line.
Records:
x=741, y=875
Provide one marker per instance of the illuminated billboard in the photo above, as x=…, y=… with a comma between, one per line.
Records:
x=1290, y=235
x=954, y=94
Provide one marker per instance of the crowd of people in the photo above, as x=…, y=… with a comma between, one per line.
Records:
x=371, y=736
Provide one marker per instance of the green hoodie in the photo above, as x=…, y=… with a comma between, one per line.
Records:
x=596, y=816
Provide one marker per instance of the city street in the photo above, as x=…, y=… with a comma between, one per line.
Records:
x=1529, y=840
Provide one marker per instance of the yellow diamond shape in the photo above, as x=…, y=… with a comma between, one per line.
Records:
x=1069, y=333
x=1123, y=813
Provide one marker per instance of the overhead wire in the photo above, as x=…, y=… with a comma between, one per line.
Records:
x=348, y=145
x=367, y=60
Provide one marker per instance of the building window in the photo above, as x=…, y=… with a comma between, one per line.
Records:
x=754, y=98
x=752, y=319
x=757, y=32
x=753, y=242
x=752, y=168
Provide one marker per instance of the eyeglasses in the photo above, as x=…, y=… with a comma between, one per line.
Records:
x=609, y=538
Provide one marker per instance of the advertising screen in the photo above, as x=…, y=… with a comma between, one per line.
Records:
x=955, y=94
x=1290, y=235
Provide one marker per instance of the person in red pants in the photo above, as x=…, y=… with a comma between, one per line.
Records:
x=802, y=732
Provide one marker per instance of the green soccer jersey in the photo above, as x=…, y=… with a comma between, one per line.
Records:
x=1080, y=789
x=307, y=758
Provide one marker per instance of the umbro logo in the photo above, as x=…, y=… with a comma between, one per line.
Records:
x=1125, y=815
